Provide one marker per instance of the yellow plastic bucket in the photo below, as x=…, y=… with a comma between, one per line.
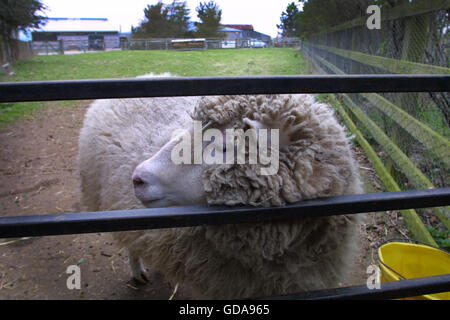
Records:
x=413, y=261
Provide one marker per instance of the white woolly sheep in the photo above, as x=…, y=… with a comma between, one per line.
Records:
x=122, y=140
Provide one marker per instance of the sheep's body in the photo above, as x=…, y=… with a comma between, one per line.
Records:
x=229, y=261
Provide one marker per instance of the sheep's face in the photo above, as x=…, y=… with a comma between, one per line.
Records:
x=175, y=174
x=312, y=157
x=159, y=182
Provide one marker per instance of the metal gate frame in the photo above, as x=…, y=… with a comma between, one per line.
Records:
x=121, y=220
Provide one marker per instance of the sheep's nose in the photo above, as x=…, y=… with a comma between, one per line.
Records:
x=143, y=178
x=140, y=179
x=138, y=182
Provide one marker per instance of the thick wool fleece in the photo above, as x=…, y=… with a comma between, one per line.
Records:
x=245, y=260
x=315, y=159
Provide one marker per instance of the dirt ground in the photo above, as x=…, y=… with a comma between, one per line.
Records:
x=38, y=176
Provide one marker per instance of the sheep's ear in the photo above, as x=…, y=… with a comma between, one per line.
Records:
x=256, y=124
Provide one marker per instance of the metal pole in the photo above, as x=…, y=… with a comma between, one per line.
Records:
x=198, y=86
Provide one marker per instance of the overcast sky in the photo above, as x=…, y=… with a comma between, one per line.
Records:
x=264, y=15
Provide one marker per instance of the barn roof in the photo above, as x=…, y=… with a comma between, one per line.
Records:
x=228, y=29
x=239, y=26
x=77, y=25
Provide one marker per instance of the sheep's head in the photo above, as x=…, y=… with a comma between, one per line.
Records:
x=301, y=152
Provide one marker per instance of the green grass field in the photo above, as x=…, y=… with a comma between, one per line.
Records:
x=123, y=64
x=127, y=64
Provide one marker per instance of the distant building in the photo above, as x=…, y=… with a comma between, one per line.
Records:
x=231, y=33
x=79, y=33
x=244, y=31
x=243, y=35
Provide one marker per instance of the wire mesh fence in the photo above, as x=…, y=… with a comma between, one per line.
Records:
x=409, y=131
x=192, y=44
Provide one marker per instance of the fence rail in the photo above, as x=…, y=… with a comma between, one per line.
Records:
x=430, y=139
x=172, y=217
x=192, y=44
x=422, y=133
x=388, y=64
x=194, y=86
x=389, y=290
x=411, y=41
x=48, y=47
x=411, y=217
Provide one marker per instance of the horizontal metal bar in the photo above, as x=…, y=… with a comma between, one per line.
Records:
x=387, y=290
x=154, y=218
x=198, y=86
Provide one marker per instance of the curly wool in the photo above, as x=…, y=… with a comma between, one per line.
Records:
x=317, y=161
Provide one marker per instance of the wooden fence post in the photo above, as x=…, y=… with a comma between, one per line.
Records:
x=61, y=46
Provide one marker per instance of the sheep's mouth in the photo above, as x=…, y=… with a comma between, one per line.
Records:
x=151, y=203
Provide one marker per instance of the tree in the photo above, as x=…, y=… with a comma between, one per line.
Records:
x=18, y=15
x=164, y=21
x=210, y=15
x=318, y=15
x=155, y=22
x=288, y=20
x=179, y=19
